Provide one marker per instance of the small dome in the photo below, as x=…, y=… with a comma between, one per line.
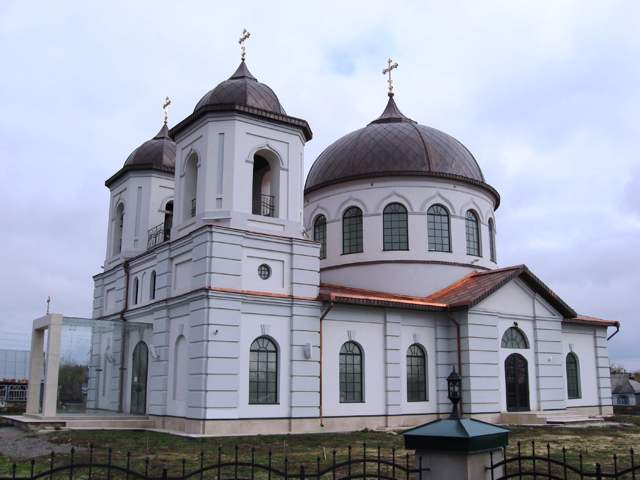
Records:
x=157, y=153
x=394, y=145
x=243, y=89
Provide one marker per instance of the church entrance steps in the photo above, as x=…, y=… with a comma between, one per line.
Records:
x=79, y=422
x=547, y=418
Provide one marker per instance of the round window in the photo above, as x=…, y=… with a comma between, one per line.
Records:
x=264, y=271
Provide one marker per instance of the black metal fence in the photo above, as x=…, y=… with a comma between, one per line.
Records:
x=534, y=464
x=358, y=464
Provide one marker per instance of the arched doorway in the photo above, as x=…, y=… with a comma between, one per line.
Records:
x=516, y=375
x=139, y=365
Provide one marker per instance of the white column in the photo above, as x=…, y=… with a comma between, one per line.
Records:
x=50, y=400
x=35, y=371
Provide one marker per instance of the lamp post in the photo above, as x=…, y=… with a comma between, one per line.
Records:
x=454, y=389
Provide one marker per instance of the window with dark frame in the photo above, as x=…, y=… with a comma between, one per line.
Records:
x=135, y=290
x=492, y=240
x=152, y=286
x=416, y=374
x=438, y=231
x=573, y=376
x=352, y=230
x=473, y=233
x=514, y=338
x=320, y=234
x=395, y=227
x=263, y=372
x=351, y=373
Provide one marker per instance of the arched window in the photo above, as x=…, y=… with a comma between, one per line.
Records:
x=492, y=239
x=352, y=230
x=119, y=229
x=264, y=185
x=416, y=374
x=190, y=186
x=438, y=229
x=473, y=233
x=573, y=376
x=134, y=293
x=351, y=373
x=168, y=220
x=180, y=369
x=514, y=338
x=263, y=372
x=395, y=227
x=320, y=234
x=152, y=286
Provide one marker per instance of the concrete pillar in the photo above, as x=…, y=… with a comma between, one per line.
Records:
x=439, y=465
x=36, y=371
x=50, y=401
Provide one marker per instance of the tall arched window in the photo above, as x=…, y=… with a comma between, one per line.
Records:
x=573, y=376
x=514, y=338
x=492, y=239
x=395, y=227
x=416, y=374
x=263, y=198
x=119, y=229
x=135, y=291
x=438, y=229
x=263, y=372
x=180, y=369
x=320, y=234
x=190, y=186
x=352, y=230
x=152, y=286
x=168, y=220
x=473, y=233
x=351, y=371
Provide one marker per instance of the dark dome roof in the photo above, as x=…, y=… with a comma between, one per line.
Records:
x=159, y=153
x=243, y=89
x=394, y=145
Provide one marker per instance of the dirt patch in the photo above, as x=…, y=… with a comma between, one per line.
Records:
x=18, y=444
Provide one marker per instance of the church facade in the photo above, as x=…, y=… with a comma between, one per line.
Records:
x=277, y=305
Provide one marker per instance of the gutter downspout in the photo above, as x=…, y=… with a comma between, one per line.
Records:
x=614, y=333
x=459, y=348
x=324, y=314
x=125, y=307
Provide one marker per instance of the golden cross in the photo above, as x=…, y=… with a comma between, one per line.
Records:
x=165, y=107
x=391, y=65
x=243, y=38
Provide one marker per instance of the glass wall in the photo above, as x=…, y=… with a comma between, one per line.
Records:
x=93, y=364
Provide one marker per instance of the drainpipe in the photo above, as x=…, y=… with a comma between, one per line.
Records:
x=324, y=314
x=459, y=348
x=614, y=333
x=125, y=307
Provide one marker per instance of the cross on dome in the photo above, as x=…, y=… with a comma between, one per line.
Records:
x=391, y=65
x=243, y=38
x=165, y=107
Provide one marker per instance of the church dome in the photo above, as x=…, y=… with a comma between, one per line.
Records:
x=242, y=89
x=395, y=145
x=158, y=153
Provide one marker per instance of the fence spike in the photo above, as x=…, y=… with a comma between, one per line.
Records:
x=393, y=462
x=615, y=464
x=564, y=462
x=378, y=460
x=633, y=467
x=201, y=464
x=548, y=460
x=364, y=460
x=318, y=466
x=349, y=461
x=164, y=474
x=13, y=471
x=219, y=460
x=270, y=459
x=33, y=465
x=406, y=466
x=598, y=472
x=110, y=451
x=235, y=463
x=184, y=467
x=90, y=459
x=301, y=472
x=519, y=458
x=420, y=468
x=253, y=462
x=333, y=467
x=146, y=466
x=286, y=467
x=51, y=462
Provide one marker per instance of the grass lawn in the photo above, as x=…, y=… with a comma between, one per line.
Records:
x=597, y=444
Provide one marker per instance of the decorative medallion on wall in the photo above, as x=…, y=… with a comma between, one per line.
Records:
x=264, y=271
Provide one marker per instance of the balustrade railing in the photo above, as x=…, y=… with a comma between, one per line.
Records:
x=264, y=205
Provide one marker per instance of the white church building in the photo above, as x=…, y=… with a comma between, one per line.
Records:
x=238, y=298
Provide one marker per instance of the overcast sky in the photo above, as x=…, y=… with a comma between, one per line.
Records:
x=545, y=94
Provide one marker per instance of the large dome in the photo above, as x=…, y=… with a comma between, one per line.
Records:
x=242, y=89
x=394, y=145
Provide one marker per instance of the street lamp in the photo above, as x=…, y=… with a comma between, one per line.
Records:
x=453, y=385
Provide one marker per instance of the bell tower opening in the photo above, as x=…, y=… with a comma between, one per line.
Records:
x=190, y=186
x=168, y=220
x=264, y=187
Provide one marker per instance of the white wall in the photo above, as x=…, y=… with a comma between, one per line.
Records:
x=417, y=195
x=580, y=340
